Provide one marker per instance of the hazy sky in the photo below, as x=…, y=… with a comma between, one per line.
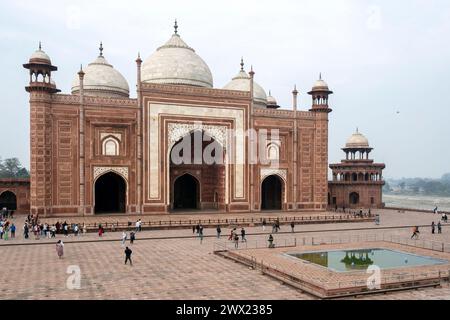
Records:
x=379, y=57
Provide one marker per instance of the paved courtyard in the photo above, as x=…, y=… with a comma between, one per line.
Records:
x=171, y=264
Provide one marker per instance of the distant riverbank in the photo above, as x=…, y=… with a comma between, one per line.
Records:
x=417, y=202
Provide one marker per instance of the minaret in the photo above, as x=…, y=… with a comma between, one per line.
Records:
x=140, y=126
x=81, y=160
x=320, y=93
x=252, y=166
x=295, y=145
x=41, y=87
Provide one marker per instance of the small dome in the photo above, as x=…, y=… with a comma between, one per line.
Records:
x=39, y=56
x=271, y=101
x=242, y=83
x=176, y=63
x=101, y=79
x=320, y=84
x=357, y=140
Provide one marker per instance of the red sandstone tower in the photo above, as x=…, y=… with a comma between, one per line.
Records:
x=357, y=180
x=320, y=94
x=41, y=89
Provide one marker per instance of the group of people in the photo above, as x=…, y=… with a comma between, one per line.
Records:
x=235, y=237
x=5, y=213
x=7, y=229
x=45, y=230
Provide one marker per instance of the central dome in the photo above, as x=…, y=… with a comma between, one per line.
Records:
x=176, y=63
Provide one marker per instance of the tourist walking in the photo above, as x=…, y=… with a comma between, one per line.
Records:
x=439, y=226
x=292, y=226
x=1, y=230
x=60, y=249
x=432, y=227
x=132, y=237
x=100, y=230
x=231, y=237
x=124, y=237
x=25, y=230
x=435, y=210
x=137, y=226
x=243, y=235
x=13, y=231
x=219, y=231
x=415, y=233
x=66, y=230
x=270, y=240
x=236, y=241
x=193, y=229
x=128, y=253
x=5, y=232
x=200, y=234
x=84, y=229
x=264, y=224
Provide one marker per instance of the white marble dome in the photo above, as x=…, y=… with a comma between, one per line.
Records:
x=271, y=100
x=40, y=55
x=176, y=63
x=357, y=140
x=101, y=79
x=242, y=83
x=320, y=84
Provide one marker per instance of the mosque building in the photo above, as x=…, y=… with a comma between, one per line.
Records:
x=96, y=150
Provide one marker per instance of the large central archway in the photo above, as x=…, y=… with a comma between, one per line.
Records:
x=110, y=194
x=271, y=193
x=8, y=200
x=197, y=173
x=186, y=193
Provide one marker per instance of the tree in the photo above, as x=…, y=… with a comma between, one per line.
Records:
x=12, y=168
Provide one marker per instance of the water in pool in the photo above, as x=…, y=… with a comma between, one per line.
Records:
x=361, y=259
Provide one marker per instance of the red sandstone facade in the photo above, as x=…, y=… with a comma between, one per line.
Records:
x=87, y=150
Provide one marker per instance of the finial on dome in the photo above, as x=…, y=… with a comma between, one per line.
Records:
x=176, y=26
x=270, y=94
x=242, y=63
x=295, y=89
x=320, y=76
x=101, y=49
x=40, y=46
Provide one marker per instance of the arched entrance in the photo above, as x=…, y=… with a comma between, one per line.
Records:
x=110, y=194
x=186, y=193
x=354, y=198
x=271, y=193
x=197, y=173
x=8, y=200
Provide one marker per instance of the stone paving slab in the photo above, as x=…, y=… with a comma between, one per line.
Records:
x=172, y=269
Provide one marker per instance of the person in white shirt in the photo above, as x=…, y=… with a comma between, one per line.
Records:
x=124, y=237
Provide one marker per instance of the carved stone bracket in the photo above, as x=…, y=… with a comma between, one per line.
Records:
x=265, y=172
x=177, y=131
x=122, y=171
